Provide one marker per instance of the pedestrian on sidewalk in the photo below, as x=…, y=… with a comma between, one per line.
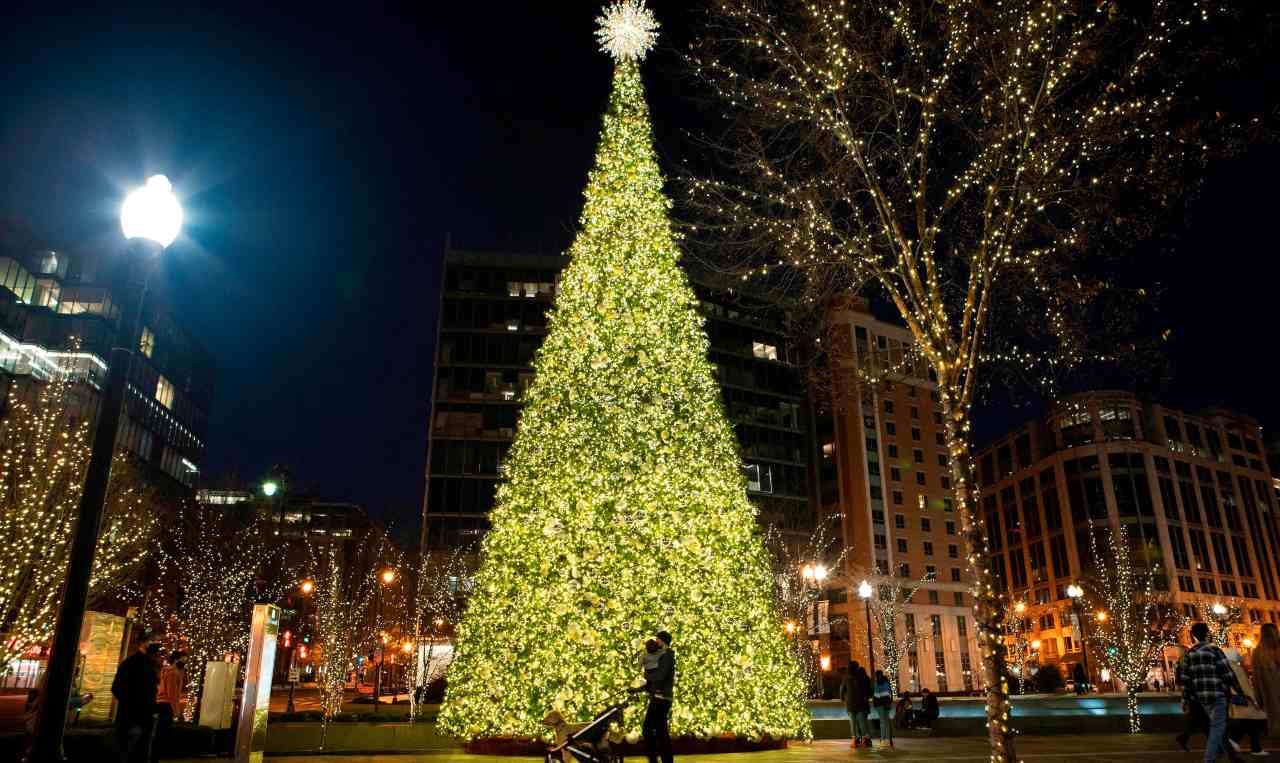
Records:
x=882, y=702
x=1207, y=678
x=1266, y=675
x=134, y=687
x=1246, y=717
x=855, y=691
x=1080, y=679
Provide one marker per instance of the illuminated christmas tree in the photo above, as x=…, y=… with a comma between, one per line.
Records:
x=624, y=508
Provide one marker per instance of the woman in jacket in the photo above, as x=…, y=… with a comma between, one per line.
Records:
x=1246, y=717
x=856, y=693
x=882, y=704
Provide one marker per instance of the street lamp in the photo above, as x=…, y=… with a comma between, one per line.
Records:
x=387, y=576
x=150, y=218
x=1219, y=609
x=1077, y=594
x=864, y=593
x=307, y=586
x=270, y=487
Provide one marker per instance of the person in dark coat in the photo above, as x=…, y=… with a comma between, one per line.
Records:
x=1081, y=680
x=659, y=681
x=856, y=691
x=929, y=710
x=134, y=687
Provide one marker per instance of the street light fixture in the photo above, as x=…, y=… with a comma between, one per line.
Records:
x=1077, y=595
x=1219, y=609
x=270, y=487
x=387, y=576
x=151, y=219
x=307, y=586
x=864, y=593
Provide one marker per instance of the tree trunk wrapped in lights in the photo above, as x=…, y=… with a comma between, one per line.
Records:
x=623, y=508
x=443, y=582
x=209, y=570
x=345, y=598
x=893, y=639
x=972, y=163
x=1135, y=622
x=45, y=453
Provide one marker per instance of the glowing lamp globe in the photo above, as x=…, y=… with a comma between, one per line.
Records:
x=269, y=488
x=152, y=212
x=864, y=590
x=1219, y=610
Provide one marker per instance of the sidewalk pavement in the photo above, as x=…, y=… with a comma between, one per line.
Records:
x=1054, y=749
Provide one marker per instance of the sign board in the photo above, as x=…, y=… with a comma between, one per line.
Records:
x=217, y=699
x=294, y=673
x=251, y=731
x=100, y=640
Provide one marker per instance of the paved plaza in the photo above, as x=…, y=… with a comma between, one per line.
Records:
x=1110, y=748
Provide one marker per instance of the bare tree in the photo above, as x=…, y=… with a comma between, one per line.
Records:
x=972, y=162
x=45, y=454
x=443, y=586
x=1135, y=620
x=801, y=571
x=209, y=574
x=347, y=577
x=893, y=636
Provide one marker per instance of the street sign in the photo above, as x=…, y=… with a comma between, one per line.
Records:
x=293, y=675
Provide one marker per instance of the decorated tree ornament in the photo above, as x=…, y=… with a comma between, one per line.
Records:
x=623, y=420
x=628, y=30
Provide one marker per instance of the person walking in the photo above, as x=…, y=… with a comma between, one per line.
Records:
x=169, y=700
x=882, y=702
x=1246, y=717
x=659, y=681
x=134, y=687
x=1207, y=678
x=1266, y=675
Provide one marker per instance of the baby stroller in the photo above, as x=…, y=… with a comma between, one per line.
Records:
x=589, y=743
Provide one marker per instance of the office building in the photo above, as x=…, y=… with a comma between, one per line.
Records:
x=493, y=318
x=1194, y=493
x=892, y=493
x=58, y=315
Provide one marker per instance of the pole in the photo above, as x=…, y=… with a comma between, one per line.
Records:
x=60, y=671
x=1084, y=645
x=871, y=652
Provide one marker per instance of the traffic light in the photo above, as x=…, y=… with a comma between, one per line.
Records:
x=306, y=639
x=302, y=651
x=287, y=638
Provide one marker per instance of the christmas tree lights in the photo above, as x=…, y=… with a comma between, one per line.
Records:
x=624, y=507
x=45, y=454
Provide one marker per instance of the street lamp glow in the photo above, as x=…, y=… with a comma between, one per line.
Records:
x=407, y=647
x=1246, y=642
x=269, y=488
x=807, y=572
x=1102, y=617
x=1036, y=645
x=1020, y=607
x=1075, y=591
x=791, y=627
x=825, y=662
x=1219, y=610
x=307, y=586
x=152, y=212
x=388, y=576
x=820, y=572
x=864, y=590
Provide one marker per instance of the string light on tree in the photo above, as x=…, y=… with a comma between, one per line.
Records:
x=623, y=507
x=965, y=161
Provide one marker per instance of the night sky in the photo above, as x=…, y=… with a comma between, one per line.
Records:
x=323, y=157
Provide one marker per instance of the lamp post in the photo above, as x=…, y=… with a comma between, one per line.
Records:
x=150, y=219
x=814, y=575
x=864, y=592
x=305, y=588
x=386, y=578
x=1077, y=594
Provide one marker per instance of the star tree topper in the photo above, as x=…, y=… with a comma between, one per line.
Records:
x=627, y=30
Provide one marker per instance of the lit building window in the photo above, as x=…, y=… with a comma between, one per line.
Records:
x=164, y=392
x=764, y=351
x=148, y=342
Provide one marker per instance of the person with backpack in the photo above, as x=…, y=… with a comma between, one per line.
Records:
x=882, y=704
